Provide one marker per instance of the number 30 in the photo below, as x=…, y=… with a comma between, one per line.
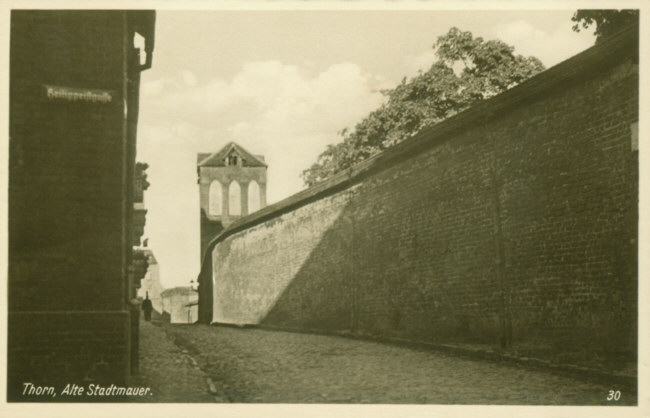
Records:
x=615, y=395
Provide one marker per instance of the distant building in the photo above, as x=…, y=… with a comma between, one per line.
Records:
x=73, y=114
x=232, y=184
x=181, y=304
x=150, y=284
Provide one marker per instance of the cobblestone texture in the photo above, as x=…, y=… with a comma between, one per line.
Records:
x=168, y=370
x=254, y=365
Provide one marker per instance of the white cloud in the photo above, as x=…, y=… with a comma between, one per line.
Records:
x=550, y=46
x=422, y=62
x=189, y=78
x=267, y=105
x=270, y=108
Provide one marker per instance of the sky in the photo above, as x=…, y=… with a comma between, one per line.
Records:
x=283, y=84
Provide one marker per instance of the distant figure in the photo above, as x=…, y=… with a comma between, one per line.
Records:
x=147, y=307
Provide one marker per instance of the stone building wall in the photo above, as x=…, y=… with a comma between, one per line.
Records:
x=217, y=172
x=513, y=223
x=71, y=161
x=151, y=284
x=180, y=304
x=226, y=175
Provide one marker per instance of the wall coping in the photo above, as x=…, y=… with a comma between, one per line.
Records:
x=586, y=64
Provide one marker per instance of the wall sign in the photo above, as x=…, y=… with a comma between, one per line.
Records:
x=72, y=94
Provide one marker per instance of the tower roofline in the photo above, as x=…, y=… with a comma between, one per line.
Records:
x=217, y=159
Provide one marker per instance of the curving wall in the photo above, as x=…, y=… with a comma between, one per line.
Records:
x=511, y=224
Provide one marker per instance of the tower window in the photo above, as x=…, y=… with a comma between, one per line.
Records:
x=214, y=198
x=232, y=160
x=253, y=196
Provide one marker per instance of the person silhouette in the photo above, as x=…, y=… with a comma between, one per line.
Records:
x=147, y=307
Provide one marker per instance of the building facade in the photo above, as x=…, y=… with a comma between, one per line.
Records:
x=180, y=305
x=232, y=184
x=150, y=285
x=74, y=85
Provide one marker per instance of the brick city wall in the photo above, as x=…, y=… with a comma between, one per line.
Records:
x=67, y=196
x=517, y=228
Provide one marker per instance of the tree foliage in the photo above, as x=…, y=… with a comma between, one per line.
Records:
x=467, y=70
x=607, y=22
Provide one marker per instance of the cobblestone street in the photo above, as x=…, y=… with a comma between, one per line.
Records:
x=171, y=373
x=260, y=366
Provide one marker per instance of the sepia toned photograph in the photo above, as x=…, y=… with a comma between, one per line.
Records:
x=320, y=206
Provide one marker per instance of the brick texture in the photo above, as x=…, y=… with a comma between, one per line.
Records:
x=518, y=229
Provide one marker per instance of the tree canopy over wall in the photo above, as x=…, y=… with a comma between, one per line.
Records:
x=468, y=69
x=607, y=22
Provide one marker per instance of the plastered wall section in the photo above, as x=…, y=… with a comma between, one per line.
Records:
x=226, y=175
x=262, y=262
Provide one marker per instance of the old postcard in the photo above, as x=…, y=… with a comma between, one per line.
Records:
x=329, y=208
